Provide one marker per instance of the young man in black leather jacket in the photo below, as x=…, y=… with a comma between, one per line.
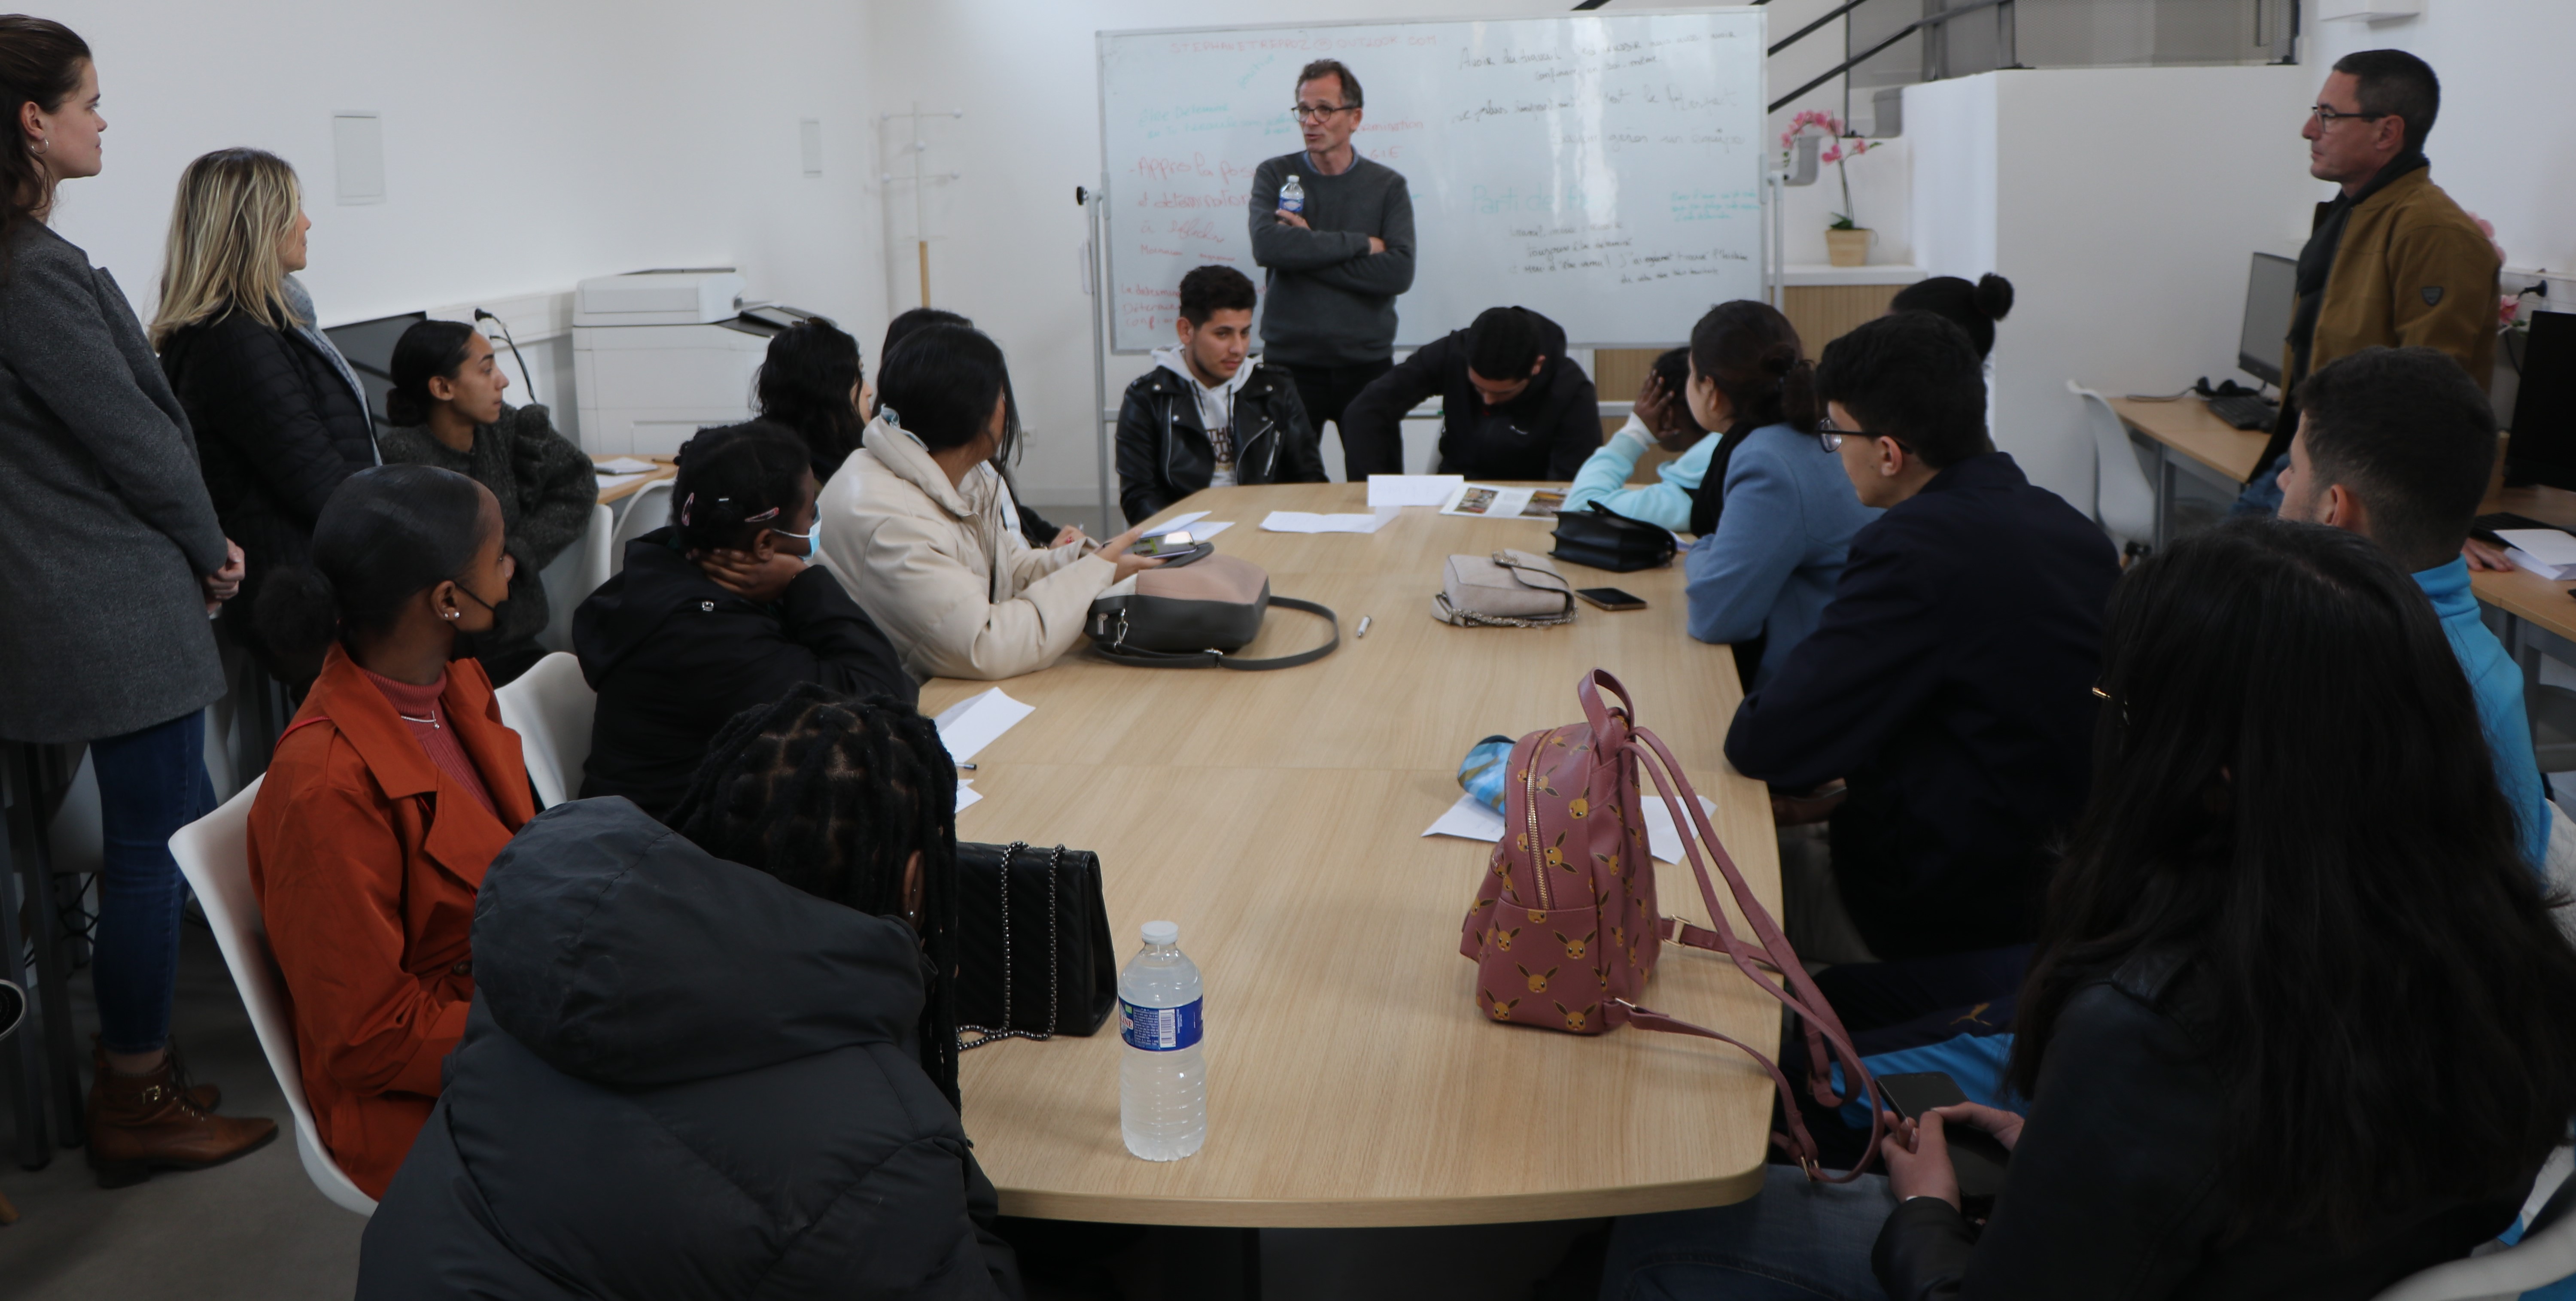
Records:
x=1210, y=414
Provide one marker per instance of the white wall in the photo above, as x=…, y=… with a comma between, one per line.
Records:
x=526, y=146
x=2127, y=250
x=2504, y=146
x=1008, y=233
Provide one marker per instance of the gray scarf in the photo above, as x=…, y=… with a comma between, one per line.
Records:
x=306, y=326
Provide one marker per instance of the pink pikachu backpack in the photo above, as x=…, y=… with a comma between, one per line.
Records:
x=1564, y=931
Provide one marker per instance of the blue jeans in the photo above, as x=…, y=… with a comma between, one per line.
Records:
x=2262, y=495
x=1795, y=1241
x=150, y=784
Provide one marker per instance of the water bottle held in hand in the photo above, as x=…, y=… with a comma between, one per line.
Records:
x=1162, y=1079
x=1292, y=196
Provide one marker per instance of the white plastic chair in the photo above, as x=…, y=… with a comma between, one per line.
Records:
x=2540, y=1259
x=550, y=707
x=647, y=510
x=214, y=854
x=2124, y=503
x=574, y=575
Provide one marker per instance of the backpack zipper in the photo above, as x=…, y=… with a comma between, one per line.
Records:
x=1529, y=807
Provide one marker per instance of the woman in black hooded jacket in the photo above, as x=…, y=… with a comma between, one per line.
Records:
x=718, y=613
x=692, y=1077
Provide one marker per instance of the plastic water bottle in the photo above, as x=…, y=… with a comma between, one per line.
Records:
x=1162, y=1080
x=1292, y=196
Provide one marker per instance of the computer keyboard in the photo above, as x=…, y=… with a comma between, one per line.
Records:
x=2245, y=410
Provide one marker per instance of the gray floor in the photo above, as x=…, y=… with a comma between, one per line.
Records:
x=256, y=1229
x=252, y=1229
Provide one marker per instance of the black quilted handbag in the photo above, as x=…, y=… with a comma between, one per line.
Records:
x=1033, y=951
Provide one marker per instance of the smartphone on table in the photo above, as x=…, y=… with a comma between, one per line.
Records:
x=1610, y=598
x=1980, y=1159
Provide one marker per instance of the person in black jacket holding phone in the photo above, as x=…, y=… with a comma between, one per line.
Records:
x=1513, y=404
x=277, y=412
x=716, y=613
x=1210, y=415
x=2296, y=1025
x=717, y=1060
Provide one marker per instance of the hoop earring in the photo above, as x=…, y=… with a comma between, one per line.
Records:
x=44, y=143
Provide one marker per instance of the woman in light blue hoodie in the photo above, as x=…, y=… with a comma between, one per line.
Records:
x=1775, y=513
x=1660, y=418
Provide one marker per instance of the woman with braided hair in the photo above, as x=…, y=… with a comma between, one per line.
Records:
x=719, y=612
x=718, y=1058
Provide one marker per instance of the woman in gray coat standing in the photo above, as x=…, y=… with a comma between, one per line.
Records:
x=111, y=562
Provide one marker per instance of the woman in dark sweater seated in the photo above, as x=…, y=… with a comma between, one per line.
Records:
x=719, y=1061
x=718, y=613
x=446, y=410
x=2297, y=1022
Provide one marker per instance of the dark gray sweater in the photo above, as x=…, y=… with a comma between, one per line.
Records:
x=1331, y=302
x=546, y=487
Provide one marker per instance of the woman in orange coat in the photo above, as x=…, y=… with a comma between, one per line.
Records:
x=388, y=796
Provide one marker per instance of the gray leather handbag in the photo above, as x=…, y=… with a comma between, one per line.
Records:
x=1195, y=617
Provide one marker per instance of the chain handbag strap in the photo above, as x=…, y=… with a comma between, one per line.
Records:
x=1055, y=978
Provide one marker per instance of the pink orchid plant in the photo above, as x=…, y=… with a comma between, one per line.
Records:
x=1844, y=146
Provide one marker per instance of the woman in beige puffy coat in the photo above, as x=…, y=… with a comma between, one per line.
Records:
x=918, y=527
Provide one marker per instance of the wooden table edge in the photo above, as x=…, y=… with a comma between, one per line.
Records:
x=1388, y=1212
x=2191, y=453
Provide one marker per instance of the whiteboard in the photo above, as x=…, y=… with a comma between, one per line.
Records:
x=1602, y=169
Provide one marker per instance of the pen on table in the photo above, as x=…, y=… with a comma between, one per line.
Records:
x=965, y=767
x=1363, y=632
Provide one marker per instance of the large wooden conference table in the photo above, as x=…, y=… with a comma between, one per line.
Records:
x=1277, y=817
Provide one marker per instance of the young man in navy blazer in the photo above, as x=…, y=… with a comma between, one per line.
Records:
x=1950, y=680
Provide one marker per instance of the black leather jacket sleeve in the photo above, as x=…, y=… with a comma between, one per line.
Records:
x=1372, y=425
x=1141, y=490
x=2115, y=1182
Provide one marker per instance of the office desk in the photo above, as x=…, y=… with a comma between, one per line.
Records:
x=2538, y=616
x=628, y=487
x=2188, y=441
x=1276, y=816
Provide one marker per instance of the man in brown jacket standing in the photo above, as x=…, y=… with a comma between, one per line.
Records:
x=2391, y=261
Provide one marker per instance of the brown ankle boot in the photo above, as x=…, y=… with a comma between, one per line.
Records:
x=206, y=1096
x=142, y=1123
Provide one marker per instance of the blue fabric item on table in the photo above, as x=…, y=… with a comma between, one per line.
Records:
x=1481, y=773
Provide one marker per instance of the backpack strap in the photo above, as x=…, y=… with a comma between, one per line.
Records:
x=1152, y=659
x=1774, y=966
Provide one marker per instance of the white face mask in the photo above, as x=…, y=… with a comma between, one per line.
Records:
x=809, y=537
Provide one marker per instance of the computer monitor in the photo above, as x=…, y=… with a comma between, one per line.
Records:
x=2271, y=298
x=2543, y=447
x=369, y=347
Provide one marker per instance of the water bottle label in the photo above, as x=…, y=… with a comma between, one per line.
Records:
x=1159, y=1029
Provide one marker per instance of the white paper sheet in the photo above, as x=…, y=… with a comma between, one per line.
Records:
x=2546, y=552
x=1661, y=840
x=1298, y=521
x=608, y=481
x=975, y=722
x=625, y=465
x=1469, y=819
x=1177, y=522
x=1202, y=532
x=966, y=795
x=1412, y=489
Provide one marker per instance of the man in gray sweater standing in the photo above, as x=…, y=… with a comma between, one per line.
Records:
x=1339, y=248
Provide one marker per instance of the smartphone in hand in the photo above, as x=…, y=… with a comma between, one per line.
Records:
x=1980, y=1160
